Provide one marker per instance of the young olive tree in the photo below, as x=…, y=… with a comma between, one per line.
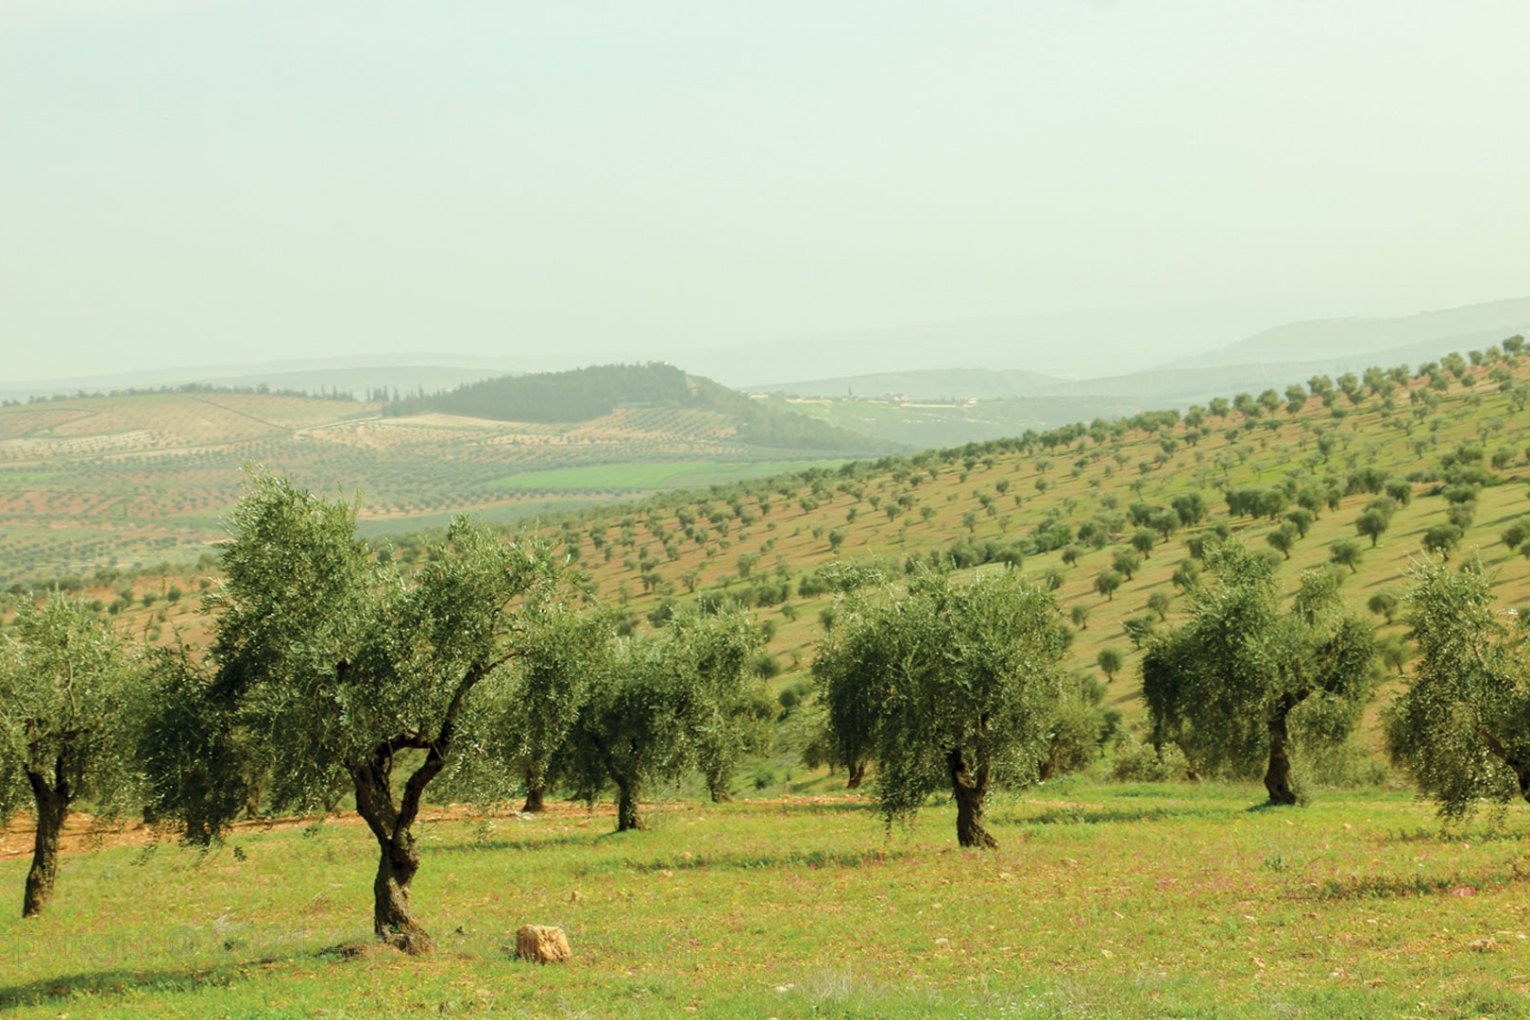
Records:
x=1462, y=727
x=66, y=705
x=661, y=705
x=947, y=687
x=1247, y=680
x=331, y=671
x=528, y=718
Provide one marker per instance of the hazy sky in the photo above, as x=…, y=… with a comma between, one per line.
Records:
x=206, y=182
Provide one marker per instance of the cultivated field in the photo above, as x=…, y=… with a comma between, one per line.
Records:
x=139, y=479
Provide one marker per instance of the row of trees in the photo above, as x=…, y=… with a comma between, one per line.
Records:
x=332, y=675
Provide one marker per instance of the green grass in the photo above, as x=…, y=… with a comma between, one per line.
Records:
x=1172, y=900
x=650, y=476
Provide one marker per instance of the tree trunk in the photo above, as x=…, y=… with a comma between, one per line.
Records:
x=52, y=807
x=857, y=774
x=535, y=792
x=1277, y=779
x=969, y=791
x=398, y=861
x=717, y=788
x=627, y=806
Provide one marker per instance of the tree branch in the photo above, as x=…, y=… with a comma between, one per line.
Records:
x=437, y=749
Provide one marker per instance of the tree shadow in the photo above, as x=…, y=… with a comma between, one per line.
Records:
x=109, y=982
x=1105, y=816
x=1363, y=887
x=810, y=859
x=545, y=843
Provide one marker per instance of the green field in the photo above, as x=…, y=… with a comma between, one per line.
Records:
x=1103, y=900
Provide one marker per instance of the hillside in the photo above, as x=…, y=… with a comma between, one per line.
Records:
x=1065, y=504
x=91, y=482
x=586, y=393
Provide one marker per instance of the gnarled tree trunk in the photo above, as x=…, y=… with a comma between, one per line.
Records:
x=535, y=795
x=717, y=787
x=857, y=772
x=52, y=806
x=969, y=789
x=627, y=817
x=1277, y=778
x=398, y=860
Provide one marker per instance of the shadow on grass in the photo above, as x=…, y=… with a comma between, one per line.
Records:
x=1387, y=887
x=811, y=859
x=544, y=843
x=1105, y=816
x=109, y=982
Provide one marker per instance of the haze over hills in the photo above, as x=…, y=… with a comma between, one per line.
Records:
x=1271, y=358
x=356, y=375
x=1427, y=334
x=929, y=384
x=917, y=363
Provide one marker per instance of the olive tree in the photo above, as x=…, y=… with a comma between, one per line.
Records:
x=66, y=697
x=660, y=705
x=332, y=672
x=1462, y=726
x=1248, y=680
x=521, y=731
x=953, y=687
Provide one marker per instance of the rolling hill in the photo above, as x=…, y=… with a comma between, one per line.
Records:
x=89, y=482
x=1068, y=504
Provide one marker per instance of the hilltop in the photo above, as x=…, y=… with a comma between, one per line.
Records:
x=588, y=393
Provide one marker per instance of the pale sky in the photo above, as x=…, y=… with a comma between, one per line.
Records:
x=218, y=182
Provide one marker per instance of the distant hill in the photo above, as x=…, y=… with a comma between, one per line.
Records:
x=927, y=384
x=403, y=374
x=586, y=393
x=1428, y=334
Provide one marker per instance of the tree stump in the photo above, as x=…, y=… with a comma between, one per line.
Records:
x=542, y=943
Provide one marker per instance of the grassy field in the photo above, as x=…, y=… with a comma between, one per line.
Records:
x=1103, y=900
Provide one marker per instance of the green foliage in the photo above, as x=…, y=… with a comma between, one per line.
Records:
x=68, y=693
x=1346, y=553
x=1462, y=727
x=525, y=721
x=1442, y=539
x=950, y=686
x=1136, y=762
x=330, y=670
x=1383, y=604
x=663, y=704
x=1245, y=680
